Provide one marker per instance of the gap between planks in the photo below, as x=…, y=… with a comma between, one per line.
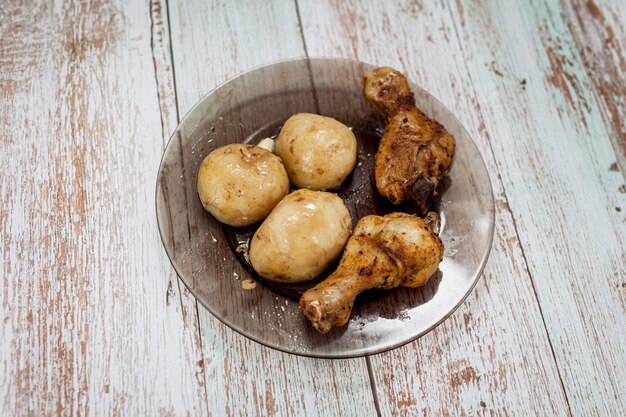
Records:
x=370, y=371
x=525, y=261
x=514, y=221
x=168, y=122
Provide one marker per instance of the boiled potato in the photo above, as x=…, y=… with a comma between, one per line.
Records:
x=241, y=184
x=302, y=236
x=318, y=152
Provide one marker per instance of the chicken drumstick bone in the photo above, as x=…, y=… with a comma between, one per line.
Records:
x=415, y=152
x=384, y=252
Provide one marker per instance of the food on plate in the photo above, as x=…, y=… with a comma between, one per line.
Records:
x=415, y=152
x=384, y=252
x=241, y=184
x=318, y=152
x=301, y=237
x=306, y=231
x=267, y=144
x=248, y=284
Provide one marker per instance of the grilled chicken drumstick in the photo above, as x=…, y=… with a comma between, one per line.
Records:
x=415, y=151
x=383, y=252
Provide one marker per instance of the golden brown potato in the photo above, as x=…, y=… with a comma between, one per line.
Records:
x=318, y=152
x=241, y=184
x=302, y=236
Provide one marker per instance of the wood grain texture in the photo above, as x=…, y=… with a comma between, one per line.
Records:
x=93, y=320
x=90, y=318
x=599, y=31
x=212, y=42
x=565, y=203
x=492, y=357
x=176, y=290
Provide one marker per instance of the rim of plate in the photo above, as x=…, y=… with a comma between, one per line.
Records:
x=362, y=351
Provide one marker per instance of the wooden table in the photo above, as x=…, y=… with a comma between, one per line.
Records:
x=93, y=320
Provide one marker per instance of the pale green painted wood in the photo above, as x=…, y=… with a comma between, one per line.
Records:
x=544, y=369
x=493, y=354
x=177, y=294
x=599, y=30
x=92, y=317
x=212, y=42
x=90, y=322
x=554, y=154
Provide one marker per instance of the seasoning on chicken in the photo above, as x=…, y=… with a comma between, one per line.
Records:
x=383, y=253
x=415, y=152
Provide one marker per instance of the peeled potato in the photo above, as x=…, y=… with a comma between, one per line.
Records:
x=302, y=236
x=240, y=184
x=318, y=152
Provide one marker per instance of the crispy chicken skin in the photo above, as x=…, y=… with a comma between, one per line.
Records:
x=415, y=151
x=384, y=252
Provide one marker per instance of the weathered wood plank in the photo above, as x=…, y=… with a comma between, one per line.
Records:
x=553, y=153
x=599, y=30
x=492, y=356
x=177, y=292
x=90, y=319
x=212, y=42
x=90, y=311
